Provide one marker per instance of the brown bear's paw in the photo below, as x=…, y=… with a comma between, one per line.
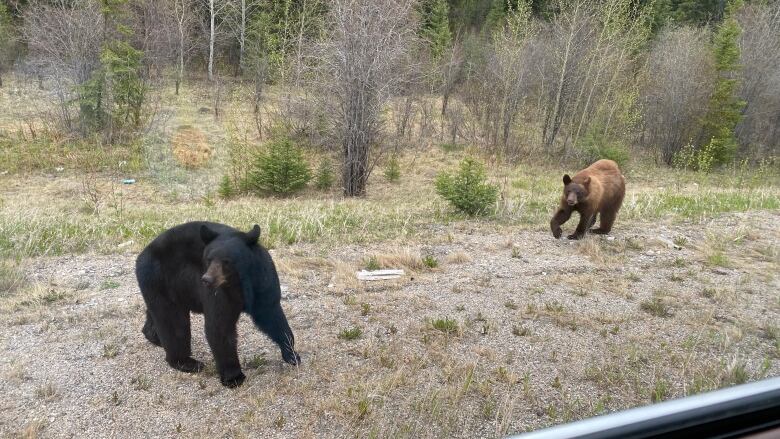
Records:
x=557, y=233
x=599, y=231
x=574, y=236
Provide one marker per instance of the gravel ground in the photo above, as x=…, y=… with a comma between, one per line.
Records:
x=547, y=331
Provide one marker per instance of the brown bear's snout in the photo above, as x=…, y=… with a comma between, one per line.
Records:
x=571, y=200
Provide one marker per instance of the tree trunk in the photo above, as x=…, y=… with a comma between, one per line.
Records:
x=211, y=40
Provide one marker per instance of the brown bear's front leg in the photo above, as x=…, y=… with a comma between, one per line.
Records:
x=561, y=216
x=586, y=219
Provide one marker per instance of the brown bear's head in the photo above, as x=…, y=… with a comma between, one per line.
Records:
x=575, y=192
x=223, y=256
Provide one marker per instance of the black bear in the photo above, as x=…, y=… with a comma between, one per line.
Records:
x=596, y=190
x=219, y=271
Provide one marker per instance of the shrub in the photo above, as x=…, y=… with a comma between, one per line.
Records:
x=225, y=188
x=695, y=159
x=281, y=169
x=595, y=146
x=323, y=180
x=393, y=170
x=466, y=189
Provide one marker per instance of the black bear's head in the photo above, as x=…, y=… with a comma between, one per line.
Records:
x=575, y=192
x=227, y=255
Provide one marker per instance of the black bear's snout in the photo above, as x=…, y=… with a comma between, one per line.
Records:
x=208, y=280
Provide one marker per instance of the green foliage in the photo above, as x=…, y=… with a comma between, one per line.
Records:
x=226, y=190
x=393, y=170
x=122, y=66
x=725, y=106
x=467, y=189
x=323, y=180
x=352, y=333
x=90, y=101
x=694, y=159
x=430, y=261
x=281, y=169
x=446, y=325
x=595, y=146
x=435, y=26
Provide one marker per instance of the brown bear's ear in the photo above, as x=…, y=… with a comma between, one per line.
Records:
x=587, y=181
x=253, y=235
x=566, y=179
x=207, y=235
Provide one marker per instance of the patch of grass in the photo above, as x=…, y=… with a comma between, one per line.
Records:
x=521, y=331
x=660, y=391
x=656, y=307
x=633, y=277
x=110, y=350
x=365, y=308
x=109, y=284
x=352, y=333
x=430, y=261
x=736, y=373
x=680, y=241
x=372, y=264
x=141, y=382
x=709, y=292
x=256, y=361
x=12, y=278
x=446, y=325
x=46, y=392
x=510, y=304
x=679, y=262
x=718, y=259
x=554, y=307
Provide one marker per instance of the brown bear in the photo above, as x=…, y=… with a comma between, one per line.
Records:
x=596, y=190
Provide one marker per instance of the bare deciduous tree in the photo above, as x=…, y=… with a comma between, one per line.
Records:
x=363, y=60
x=64, y=38
x=760, y=59
x=677, y=86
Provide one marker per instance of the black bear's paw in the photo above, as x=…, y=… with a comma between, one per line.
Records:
x=291, y=357
x=189, y=365
x=557, y=232
x=599, y=231
x=233, y=380
x=574, y=236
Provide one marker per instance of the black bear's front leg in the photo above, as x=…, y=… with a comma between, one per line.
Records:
x=586, y=220
x=561, y=216
x=223, y=340
x=273, y=322
x=171, y=324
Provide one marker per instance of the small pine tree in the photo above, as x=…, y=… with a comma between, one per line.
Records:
x=324, y=178
x=393, y=170
x=467, y=188
x=725, y=107
x=225, y=189
x=435, y=28
x=282, y=169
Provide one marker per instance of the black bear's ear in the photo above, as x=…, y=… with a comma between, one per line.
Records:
x=566, y=179
x=206, y=234
x=253, y=235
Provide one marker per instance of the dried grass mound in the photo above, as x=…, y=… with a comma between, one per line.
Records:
x=190, y=147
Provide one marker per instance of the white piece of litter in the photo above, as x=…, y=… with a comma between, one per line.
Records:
x=379, y=274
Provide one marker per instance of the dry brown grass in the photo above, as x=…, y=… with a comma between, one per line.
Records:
x=190, y=147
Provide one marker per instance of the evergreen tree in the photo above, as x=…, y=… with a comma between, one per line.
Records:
x=725, y=107
x=435, y=26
